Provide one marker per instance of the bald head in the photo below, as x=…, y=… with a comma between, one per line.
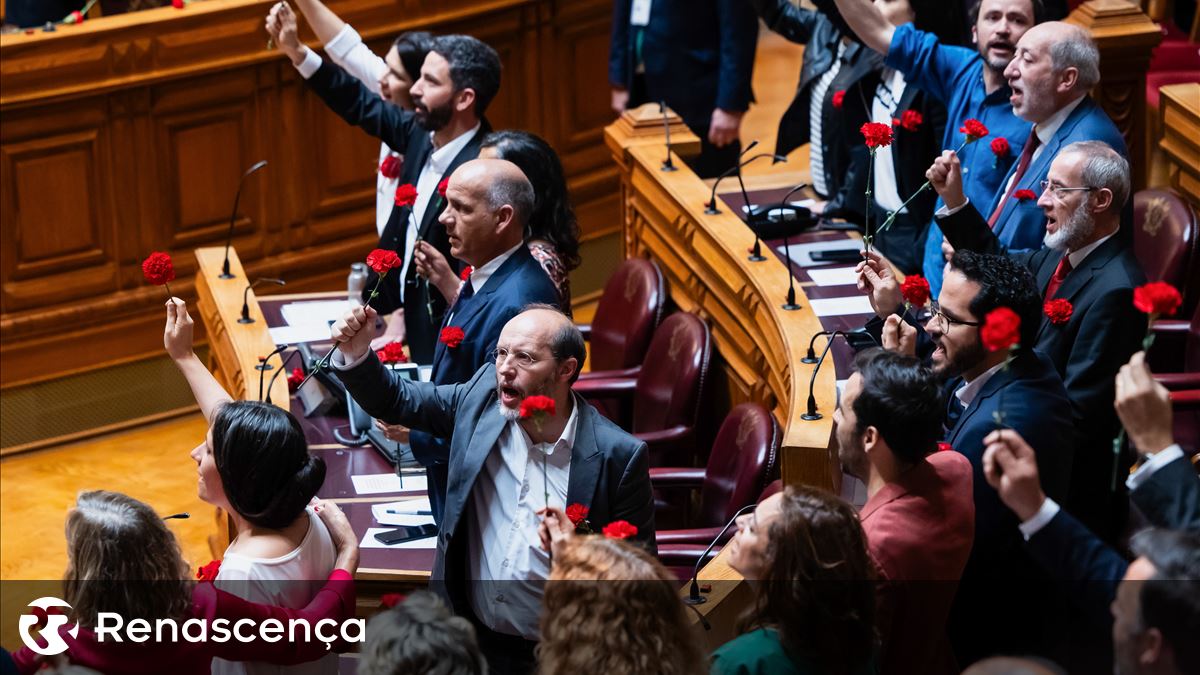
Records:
x=545, y=326
x=488, y=205
x=1014, y=665
x=1056, y=64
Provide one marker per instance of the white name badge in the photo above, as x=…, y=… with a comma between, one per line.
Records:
x=639, y=13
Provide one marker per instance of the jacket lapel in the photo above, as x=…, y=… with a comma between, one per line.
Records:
x=586, y=457
x=1078, y=279
x=990, y=388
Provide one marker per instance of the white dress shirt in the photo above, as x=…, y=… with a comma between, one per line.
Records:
x=480, y=276
x=886, y=192
x=1045, y=132
x=970, y=390
x=508, y=566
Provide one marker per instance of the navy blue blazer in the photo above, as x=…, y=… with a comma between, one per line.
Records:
x=1022, y=224
x=399, y=128
x=698, y=55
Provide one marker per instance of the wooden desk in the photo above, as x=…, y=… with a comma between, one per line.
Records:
x=1180, y=123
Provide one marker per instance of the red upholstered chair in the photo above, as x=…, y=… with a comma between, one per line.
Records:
x=1165, y=240
x=681, y=558
x=744, y=458
x=667, y=391
x=626, y=316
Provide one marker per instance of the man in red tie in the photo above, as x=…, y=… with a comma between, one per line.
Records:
x=1089, y=327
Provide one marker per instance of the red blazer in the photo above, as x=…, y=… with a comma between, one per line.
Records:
x=919, y=534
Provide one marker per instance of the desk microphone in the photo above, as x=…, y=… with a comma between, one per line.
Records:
x=282, y=368
x=667, y=164
x=711, y=207
x=752, y=217
x=858, y=339
x=236, y=198
x=694, y=597
x=245, y=296
x=263, y=367
x=790, y=305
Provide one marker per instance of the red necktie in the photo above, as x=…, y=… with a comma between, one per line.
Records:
x=1060, y=275
x=1022, y=165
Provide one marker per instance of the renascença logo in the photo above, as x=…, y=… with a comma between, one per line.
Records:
x=54, y=643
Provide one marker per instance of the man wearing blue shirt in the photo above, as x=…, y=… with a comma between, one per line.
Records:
x=970, y=82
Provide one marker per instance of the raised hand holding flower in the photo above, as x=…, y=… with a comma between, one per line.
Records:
x=158, y=269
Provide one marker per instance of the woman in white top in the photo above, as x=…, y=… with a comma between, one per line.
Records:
x=254, y=464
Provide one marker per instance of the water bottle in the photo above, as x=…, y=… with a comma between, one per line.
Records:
x=356, y=282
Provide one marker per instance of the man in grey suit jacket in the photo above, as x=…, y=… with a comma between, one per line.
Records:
x=504, y=469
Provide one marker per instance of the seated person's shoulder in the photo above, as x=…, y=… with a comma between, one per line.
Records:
x=758, y=652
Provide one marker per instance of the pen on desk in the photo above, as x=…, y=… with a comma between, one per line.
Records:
x=394, y=512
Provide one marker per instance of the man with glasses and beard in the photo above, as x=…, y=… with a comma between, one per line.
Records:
x=506, y=468
x=1002, y=588
x=459, y=78
x=1087, y=266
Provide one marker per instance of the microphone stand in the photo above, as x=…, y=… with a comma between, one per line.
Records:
x=236, y=198
x=245, y=299
x=263, y=367
x=811, y=356
x=790, y=305
x=711, y=207
x=756, y=251
x=282, y=369
x=694, y=597
x=667, y=164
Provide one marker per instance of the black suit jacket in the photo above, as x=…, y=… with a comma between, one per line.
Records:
x=399, y=128
x=1104, y=330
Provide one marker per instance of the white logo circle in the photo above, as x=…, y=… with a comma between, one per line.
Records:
x=54, y=643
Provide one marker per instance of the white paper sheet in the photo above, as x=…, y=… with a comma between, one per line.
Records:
x=369, y=540
x=855, y=304
x=800, y=252
x=290, y=335
x=380, y=483
x=835, y=276
x=403, y=513
x=314, y=312
x=803, y=203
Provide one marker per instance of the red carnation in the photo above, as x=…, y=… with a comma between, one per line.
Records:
x=1000, y=147
x=943, y=446
x=158, y=269
x=1058, y=311
x=620, y=529
x=178, y=4
x=577, y=513
x=465, y=275
x=876, y=134
x=1157, y=298
x=839, y=97
x=74, y=17
x=441, y=188
x=1001, y=329
x=974, y=130
x=537, y=406
x=451, y=336
x=382, y=260
x=295, y=378
x=392, y=352
x=1023, y=195
x=390, y=168
x=208, y=572
x=390, y=600
x=915, y=290
x=911, y=120
x=406, y=195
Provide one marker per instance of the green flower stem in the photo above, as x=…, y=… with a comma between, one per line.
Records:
x=892, y=216
x=323, y=362
x=1119, y=441
x=867, y=236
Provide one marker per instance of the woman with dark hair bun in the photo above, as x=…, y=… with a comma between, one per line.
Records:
x=552, y=233
x=254, y=465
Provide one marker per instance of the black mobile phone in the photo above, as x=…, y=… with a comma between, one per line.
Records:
x=400, y=535
x=837, y=255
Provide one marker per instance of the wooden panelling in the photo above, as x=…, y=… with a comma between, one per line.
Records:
x=130, y=133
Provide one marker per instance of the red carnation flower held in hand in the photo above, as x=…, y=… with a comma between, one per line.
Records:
x=392, y=352
x=382, y=261
x=974, y=129
x=452, y=336
x=1157, y=298
x=465, y=275
x=537, y=408
x=620, y=529
x=1023, y=195
x=390, y=167
x=406, y=195
x=294, y=379
x=1001, y=329
x=208, y=572
x=876, y=135
x=839, y=98
x=915, y=290
x=158, y=269
x=441, y=188
x=577, y=514
x=74, y=17
x=1058, y=311
x=911, y=120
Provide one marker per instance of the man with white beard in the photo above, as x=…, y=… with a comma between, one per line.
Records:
x=1090, y=328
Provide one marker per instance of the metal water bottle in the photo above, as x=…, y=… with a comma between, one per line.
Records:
x=356, y=282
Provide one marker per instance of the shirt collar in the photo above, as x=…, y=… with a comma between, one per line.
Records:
x=1077, y=258
x=1046, y=130
x=480, y=276
x=440, y=158
x=566, y=440
x=967, y=393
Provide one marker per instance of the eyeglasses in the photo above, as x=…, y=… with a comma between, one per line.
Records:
x=936, y=314
x=1057, y=190
x=523, y=359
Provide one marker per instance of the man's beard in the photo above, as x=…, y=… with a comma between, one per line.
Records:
x=1072, y=234
x=433, y=119
x=514, y=414
x=998, y=65
x=966, y=358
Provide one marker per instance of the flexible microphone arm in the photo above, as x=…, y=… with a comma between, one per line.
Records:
x=812, y=413
x=236, y=198
x=667, y=164
x=263, y=367
x=694, y=597
x=246, y=300
x=811, y=356
x=282, y=368
x=711, y=207
x=790, y=305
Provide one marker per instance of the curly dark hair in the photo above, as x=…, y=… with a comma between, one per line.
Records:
x=818, y=590
x=902, y=399
x=553, y=219
x=473, y=65
x=1002, y=283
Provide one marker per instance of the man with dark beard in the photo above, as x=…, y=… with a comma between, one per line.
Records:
x=459, y=78
x=1089, y=326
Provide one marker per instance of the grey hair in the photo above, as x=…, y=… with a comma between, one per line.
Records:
x=514, y=190
x=420, y=635
x=1104, y=168
x=1077, y=50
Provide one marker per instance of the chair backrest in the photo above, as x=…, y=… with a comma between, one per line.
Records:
x=1165, y=234
x=673, y=374
x=626, y=315
x=1191, y=348
x=744, y=458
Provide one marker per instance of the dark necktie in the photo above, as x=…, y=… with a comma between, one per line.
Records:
x=1060, y=275
x=954, y=410
x=1022, y=165
x=465, y=293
